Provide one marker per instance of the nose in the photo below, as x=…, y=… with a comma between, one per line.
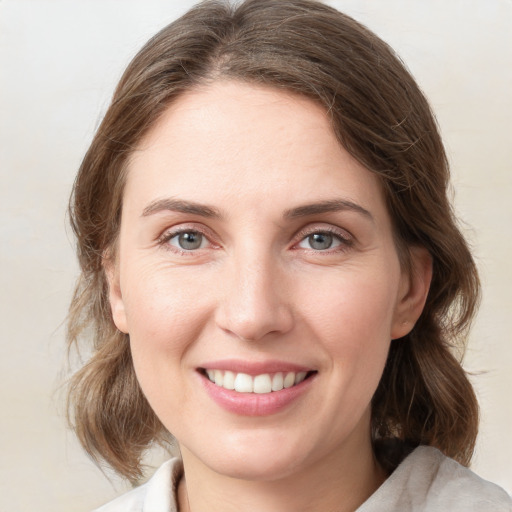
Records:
x=255, y=299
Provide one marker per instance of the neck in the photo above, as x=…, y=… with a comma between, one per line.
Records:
x=339, y=482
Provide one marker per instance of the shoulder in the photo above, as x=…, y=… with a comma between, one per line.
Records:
x=454, y=482
x=131, y=501
x=454, y=486
x=429, y=481
x=158, y=493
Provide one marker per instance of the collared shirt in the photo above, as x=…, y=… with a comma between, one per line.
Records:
x=426, y=481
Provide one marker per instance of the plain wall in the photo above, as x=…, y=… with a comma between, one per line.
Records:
x=59, y=62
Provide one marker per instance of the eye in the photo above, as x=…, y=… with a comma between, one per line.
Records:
x=187, y=240
x=320, y=241
x=323, y=241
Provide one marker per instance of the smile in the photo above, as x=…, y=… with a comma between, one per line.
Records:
x=260, y=384
x=252, y=388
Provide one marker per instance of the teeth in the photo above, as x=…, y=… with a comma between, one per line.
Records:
x=261, y=384
x=219, y=378
x=243, y=383
x=289, y=380
x=229, y=380
x=300, y=377
x=277, y=382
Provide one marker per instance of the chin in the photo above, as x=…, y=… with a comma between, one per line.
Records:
x=255, y=468
x=254, y=457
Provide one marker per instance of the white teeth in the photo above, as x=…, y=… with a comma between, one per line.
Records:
x=277, y=382
x=300, y=377
x=261, y=384
x=289, y=380
x=219, y=378
x=229, y=380
x=243, y=383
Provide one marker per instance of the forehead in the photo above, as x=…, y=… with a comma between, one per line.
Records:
x=230, y=141
x=242, y=117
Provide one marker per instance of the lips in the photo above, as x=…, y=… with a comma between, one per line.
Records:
x=255, y=389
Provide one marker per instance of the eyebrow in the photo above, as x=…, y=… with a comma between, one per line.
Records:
x=181, y=206
x=178, y=205
x=332, y=205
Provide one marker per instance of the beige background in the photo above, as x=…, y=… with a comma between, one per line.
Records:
x=59, y=62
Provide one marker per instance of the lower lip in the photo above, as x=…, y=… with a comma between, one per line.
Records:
x=255, y=404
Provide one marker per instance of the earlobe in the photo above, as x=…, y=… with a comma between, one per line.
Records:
x=413, y=293
x=114, y=294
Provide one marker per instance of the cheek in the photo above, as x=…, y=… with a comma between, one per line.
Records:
x=353, y=318
x=166, y=316
x=165, y=313
x=358, y=301
x=351, y=322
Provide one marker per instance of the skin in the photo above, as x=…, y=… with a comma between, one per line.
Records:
x=257, y=290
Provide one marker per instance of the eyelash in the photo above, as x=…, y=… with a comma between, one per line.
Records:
x=343, y=237
x=345, y=240
x=167, y=236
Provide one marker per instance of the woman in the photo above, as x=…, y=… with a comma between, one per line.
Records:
x=273, y=274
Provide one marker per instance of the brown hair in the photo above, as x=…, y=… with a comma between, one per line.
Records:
x=379, y=115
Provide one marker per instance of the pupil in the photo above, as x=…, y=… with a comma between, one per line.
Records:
x=190, y=240
x=320, y=241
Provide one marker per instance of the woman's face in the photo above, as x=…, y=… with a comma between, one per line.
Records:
x=256, y=252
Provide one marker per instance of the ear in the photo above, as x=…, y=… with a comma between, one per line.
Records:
x=413, y=292
x=111, y=268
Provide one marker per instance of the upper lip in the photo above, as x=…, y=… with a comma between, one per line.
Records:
x=254, y=367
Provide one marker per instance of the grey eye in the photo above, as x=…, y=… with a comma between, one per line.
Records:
x=188, y=240
x=320, y=241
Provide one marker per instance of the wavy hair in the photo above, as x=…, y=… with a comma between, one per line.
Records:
x=379, y=115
